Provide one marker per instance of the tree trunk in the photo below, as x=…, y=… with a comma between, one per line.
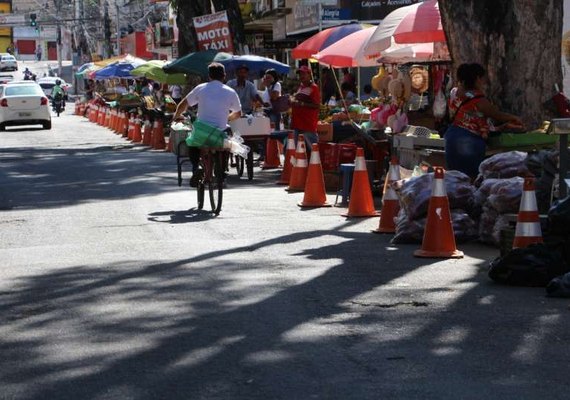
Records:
x=236, y=22
x=186, y=10
x=518, y=43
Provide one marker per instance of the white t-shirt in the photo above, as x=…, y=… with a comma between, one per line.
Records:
x=265, y=96
x=215, y=101
x=175, y=91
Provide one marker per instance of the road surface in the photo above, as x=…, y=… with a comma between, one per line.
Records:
x=113, y=286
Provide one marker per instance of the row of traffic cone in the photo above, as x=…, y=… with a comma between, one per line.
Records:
x=128, y=125
x=439, y=238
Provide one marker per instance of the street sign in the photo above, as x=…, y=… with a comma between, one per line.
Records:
x=335, y=14
x=8, y=19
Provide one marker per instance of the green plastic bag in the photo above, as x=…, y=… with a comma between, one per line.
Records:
x=205, y=135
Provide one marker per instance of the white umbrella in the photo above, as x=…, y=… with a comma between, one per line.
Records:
x=417, y=52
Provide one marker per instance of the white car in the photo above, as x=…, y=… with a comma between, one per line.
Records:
x=23, y=103
x=47, y=83
x=8, y=63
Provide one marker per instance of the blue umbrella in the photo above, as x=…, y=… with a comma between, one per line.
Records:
x=116, y=70
x=255, y=64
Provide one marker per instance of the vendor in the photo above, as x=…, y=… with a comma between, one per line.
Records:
x=472, y=115
x=305, y=108
x=245, y=89
x=272, y=93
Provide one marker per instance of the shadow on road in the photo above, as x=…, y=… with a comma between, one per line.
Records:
x=215, y=326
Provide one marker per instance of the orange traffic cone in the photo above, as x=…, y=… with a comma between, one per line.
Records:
x=147, y=132
x=137, y=136
x=101, y=116
x=117, y=128
x=390, y=202
x=82, y=109
x=299, y=171
x=528, y=221
x=131, y=127
x=288, y=166
x=158, y=142
x=361, y=203
x=125, y=128
x=315, y=193
x=107, y=117
x=439, y=239
x=271, y=155
x=114, y=120
x=91, y=113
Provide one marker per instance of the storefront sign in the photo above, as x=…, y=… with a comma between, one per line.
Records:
x=279, y=29
x=305, y=16
x=372, y=10
x=213, y=32
x=335, y=14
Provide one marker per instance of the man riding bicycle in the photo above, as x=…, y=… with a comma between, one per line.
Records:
x=216, y=104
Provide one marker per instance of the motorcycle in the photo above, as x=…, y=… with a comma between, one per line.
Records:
x=57, y=104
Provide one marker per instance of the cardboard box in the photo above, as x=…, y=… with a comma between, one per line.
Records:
x=325, y=132
x=256, y=126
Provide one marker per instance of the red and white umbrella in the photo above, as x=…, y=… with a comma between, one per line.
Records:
x=418, y=23
x=348, y=51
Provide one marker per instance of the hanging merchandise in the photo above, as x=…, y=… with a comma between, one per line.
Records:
x=439, y=105
x=419, y=79
x=376, y=79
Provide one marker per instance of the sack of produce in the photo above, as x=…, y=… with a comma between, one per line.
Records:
x=415, y=193
x=205, y=135
x=504, y=165
x=412, y=231
x=505, y=195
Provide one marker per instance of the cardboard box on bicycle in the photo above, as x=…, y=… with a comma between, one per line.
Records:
x=251, y=126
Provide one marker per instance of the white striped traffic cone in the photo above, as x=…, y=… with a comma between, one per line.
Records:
x=528, y=221
x=390, y=202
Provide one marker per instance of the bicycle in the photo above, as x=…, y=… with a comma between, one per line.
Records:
x=212, y=163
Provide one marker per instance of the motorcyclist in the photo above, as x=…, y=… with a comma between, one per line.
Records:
x=58, y=91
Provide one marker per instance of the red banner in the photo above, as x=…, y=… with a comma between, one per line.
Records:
x=213, y=32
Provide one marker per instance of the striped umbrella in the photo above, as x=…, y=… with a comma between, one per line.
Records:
x=325, y=38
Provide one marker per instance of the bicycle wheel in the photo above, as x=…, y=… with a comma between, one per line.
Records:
x=201, y=189
x=240, y=162
x=216, y=183
x=249, y=164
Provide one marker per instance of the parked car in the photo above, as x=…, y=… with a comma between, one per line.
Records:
x=8, y=63
x=23, y=103
x=47, y=83
x=5, y=78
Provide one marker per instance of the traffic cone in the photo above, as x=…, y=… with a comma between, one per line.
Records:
x=158, y=142
x=101, y=116
x=390, y=202
x=439, y=239
x=147, y=132
x=131, y=127
x=271, y=155
x=107, y=117
x=315, y=193
x=361, y=203
x=82, y=109
x=117, y=121
x=137, y=136
x=125, y=129
x=92, y=113
x=288, y=166
x=528, y=221
x=299, y=170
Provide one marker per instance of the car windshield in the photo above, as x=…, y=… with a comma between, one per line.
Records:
x=23, y=90
x=8, y=58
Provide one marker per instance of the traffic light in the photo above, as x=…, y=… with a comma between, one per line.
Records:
x=33, y=20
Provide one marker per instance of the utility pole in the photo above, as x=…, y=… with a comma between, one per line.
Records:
x=58, y=36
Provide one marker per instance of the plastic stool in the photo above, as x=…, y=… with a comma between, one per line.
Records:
x=346, y=171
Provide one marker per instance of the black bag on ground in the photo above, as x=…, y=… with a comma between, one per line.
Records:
x=535, y=265
x=559, y=218
x=559, y=286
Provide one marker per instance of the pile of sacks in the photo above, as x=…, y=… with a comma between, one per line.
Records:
x=414, y=195
x=479, y=210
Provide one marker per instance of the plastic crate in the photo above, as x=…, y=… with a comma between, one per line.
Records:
x=522, y=139
x=346, y=153
x=329, y=156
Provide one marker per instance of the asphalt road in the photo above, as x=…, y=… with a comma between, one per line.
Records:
x=113, y=286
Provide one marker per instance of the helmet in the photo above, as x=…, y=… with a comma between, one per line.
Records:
x=57, y=82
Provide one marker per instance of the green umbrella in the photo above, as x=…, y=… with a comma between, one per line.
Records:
x=153, y=70
x=196, y=63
